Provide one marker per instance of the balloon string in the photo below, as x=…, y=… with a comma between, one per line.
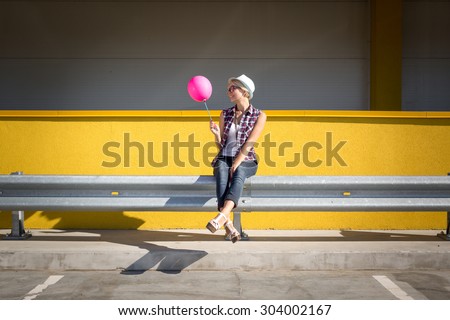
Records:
x=207, y=110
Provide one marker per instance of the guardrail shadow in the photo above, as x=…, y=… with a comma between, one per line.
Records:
x=348, y=236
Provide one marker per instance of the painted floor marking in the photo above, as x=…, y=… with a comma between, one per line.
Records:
x=41, y=287
x=393, y=288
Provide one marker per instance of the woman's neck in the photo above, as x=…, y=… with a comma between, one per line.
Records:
x=242, y=105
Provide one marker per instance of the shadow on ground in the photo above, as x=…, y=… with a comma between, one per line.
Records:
x=165, y=259
x=133, y=237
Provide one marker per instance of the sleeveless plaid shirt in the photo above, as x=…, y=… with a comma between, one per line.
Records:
x=247, y=124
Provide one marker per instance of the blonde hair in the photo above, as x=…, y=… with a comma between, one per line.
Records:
x=239, y=84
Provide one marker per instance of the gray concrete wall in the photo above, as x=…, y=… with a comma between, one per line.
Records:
x=140, y=54
x=426, y=55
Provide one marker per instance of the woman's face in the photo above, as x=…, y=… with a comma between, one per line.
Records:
x=235, y=93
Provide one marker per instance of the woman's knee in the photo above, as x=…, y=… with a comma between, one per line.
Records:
x=221, y=170
x=243, y=173
x=247, y=169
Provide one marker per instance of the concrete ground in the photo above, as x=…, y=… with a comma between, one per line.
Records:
x=195, y=264
x=226, y=285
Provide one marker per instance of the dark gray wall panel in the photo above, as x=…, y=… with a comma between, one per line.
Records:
x=140, y=54
x=147, y=84
x=426, y=56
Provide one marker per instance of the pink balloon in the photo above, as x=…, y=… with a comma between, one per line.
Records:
x=199, y=88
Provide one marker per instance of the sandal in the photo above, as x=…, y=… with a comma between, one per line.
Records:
x=231, y=231
x=216, y=223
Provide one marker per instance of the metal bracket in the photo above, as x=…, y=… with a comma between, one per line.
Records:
x=17, y=230
x=238, y=225
x=446, y=236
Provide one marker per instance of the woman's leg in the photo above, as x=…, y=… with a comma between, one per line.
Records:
x=228, y=194
x=244, y=171
x=222, y=175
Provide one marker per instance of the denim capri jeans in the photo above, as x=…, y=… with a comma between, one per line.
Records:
x=231, y=190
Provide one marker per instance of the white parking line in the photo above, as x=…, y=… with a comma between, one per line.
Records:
x=41, y=287
x=393, y=288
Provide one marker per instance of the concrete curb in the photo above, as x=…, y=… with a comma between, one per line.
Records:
x=177, y=250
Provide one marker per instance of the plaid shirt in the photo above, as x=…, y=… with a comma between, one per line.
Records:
x=247, y=124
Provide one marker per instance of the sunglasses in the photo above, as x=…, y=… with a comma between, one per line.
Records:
x=232, y=88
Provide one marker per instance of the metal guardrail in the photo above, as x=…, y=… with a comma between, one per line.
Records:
x=197, y=193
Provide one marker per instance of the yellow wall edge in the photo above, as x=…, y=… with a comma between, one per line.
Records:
x=215, y=113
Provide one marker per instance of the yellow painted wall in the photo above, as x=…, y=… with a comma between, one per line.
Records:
x=321, y=142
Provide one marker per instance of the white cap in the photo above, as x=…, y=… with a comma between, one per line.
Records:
x=246, y=82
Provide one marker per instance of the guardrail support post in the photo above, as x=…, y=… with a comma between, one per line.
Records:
x=17, y=230
x=446, y=236
x=448, y=226
x=238, y=225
